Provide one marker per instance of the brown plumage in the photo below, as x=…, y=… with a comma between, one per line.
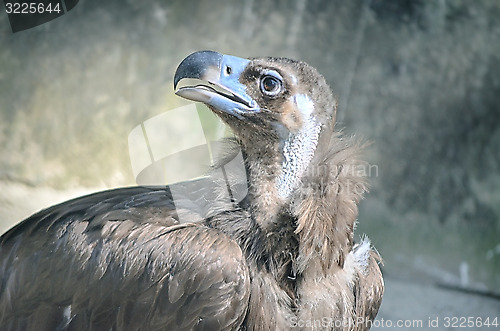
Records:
x=284, y=257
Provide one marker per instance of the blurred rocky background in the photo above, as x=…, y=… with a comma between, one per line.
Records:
x=419, y=79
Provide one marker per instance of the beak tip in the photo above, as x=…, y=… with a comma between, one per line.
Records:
x=196, y=64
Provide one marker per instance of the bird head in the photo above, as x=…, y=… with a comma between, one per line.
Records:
x=279, y=109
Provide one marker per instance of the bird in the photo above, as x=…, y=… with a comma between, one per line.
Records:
x=283, y=257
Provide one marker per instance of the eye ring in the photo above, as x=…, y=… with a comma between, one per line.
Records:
x=270, y=85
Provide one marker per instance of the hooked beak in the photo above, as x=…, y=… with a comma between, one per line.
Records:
x=220, y=70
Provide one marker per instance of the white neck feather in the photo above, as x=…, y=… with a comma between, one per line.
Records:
x=298, y=149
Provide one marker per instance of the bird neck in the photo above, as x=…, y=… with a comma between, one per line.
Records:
x=326, y=205
x=317, y=185
x=275, y=172
x=263, y=168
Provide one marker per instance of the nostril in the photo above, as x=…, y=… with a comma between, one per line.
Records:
x=228, y=70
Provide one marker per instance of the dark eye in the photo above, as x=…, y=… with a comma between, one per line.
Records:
x=270, y=85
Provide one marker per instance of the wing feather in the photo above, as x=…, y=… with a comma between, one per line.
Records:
x=121, y=260
x=368, y=292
